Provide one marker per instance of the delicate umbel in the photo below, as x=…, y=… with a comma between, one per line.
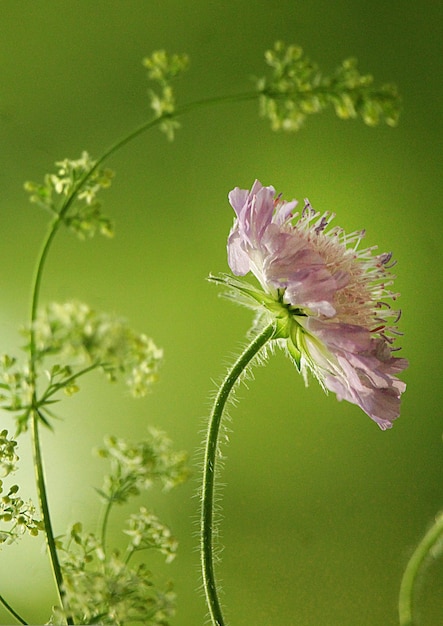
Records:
x=328, y=298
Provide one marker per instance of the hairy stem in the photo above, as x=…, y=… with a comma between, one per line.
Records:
x=209, y=472
x=9, y=608
x=405, y=601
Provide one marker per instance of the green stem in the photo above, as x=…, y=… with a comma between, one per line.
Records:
x=53, y=229
x=105, y=523
x=35, y=418
x=9, y=608
x=186, y=108
x=52, y=389
x=405, y=601
x=44, y=506
x=55, y=225
x=209, y=471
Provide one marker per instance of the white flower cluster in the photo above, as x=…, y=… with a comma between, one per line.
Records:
x=8, y=454
x=71, y=195
x=107, y=590
x=147, y=531
x=15, y=385
x=16, y=516
x=103, y=587
x=82, y=336
x=136, y=466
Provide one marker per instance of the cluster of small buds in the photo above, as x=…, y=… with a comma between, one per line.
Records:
x=147, y=531
x=136, y=466
x=78, y=333
x=296, y=89
x=71, y=193
x=15, y=385
x=162, y=69
x=17, y=515
x=8, y=454
x=106, y=590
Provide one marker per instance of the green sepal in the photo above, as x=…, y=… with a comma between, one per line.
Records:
x=295, y=354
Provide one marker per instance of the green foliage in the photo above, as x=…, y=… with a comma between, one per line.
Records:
x=71, y=195
x=296, y=88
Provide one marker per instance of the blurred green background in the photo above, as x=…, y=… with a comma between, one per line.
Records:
x=321, y=509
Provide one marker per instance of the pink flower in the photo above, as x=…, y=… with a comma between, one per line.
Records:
x=327, y=297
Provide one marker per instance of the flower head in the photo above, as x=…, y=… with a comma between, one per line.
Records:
x=326, y=296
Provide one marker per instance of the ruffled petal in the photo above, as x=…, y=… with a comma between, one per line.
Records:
x=365, y=372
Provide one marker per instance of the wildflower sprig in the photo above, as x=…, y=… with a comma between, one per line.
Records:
x=8, y=454
x=17, y=516
x=148, y=532
x=15, y=384
x=162, y=69
x=80, y=340
x=81, y=336
x=136, y=466
x=100, y=585
x=84, y=216
x=107, y=590
x=296, y=88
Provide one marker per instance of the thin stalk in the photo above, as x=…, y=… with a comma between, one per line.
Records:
x=64, y=383
x=44, y=506
x=186, y=108
x=52, y=231
x=9, y=608
x=209, y=472
x=55, y=225
x=405, y=600
x=105, y=523
x=35, y=418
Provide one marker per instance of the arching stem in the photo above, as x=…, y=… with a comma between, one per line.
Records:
x=405, y=600
x=35, y=299
x=209, y=471
x=9, y=608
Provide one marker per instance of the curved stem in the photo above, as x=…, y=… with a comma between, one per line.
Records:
x=35, y=417
x=9, y=608
x=405, y=601
x=186, y=108
x=53, y=229
x=209, y=471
